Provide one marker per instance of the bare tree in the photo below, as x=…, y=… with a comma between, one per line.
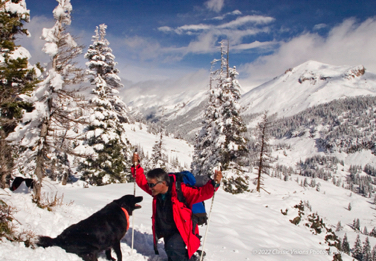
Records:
x=264, y=149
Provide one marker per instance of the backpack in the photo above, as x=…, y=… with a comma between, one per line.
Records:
x=199, y=215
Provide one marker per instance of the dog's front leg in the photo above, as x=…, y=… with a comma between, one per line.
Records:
x=108, y=255
x=117, y=249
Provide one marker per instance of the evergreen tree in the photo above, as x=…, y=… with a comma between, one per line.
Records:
x=373, y=232
x=339, y=226
x=102, y=64
x=46, y=134
x=345, y=245
x=210, y=139
x=17, y=77
x=221, y=140
x=157, y=156
x=366, y=254
x=357, y=252
x=356, y=224
x=105, y=135
x=234, y=128
x=373, y=254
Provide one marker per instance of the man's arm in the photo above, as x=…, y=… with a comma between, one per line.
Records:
x=138, y=174
x=198, y=194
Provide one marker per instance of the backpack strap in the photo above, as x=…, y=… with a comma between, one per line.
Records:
x=178, y=180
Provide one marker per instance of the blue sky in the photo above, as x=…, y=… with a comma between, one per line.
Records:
x=164, y=39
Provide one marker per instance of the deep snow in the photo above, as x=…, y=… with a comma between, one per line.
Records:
x=249, y=226
x=242, y=226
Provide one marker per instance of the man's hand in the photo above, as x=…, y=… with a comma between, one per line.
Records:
x=135, y=159
x=217, y=176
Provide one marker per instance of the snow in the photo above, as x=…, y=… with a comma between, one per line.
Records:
x=50, y=49
x=20, y=52
x=19, y=8
x=243, y=227
x=248, y=226
x=57, y=80
x=309, y=84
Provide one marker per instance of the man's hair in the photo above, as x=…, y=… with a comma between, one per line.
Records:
x=159, y=175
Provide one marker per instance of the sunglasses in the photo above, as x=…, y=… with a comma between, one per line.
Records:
x=152, y=185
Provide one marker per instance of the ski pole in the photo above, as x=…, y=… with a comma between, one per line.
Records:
x=207, y=226
x=134, y=194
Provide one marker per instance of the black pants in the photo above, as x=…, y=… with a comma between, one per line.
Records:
x=175, y=248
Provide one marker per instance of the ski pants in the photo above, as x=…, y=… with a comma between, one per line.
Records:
x=175, y=248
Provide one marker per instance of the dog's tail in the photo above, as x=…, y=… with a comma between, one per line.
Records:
x=46, y=241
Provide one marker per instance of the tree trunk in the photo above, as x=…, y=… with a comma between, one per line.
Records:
x=40, y=160
x=261, y=163
x=5, y=160
x=260, y=166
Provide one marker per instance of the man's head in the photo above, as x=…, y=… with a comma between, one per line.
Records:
x=158, y=181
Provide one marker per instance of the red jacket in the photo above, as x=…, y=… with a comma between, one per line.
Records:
x=182, y=214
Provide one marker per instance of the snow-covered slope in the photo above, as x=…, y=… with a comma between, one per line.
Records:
x=311, y=83
x=243, y=227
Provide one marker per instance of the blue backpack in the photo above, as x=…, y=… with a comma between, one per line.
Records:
x=199, y=215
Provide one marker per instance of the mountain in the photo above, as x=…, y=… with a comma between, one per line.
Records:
x=307, y=85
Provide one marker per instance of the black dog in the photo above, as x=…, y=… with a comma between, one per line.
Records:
x=101, y=231
x=17, y=182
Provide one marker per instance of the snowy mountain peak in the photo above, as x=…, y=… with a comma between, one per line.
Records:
x=313, y=71
x=307, y=85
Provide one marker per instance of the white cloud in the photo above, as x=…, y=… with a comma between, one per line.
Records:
x=208, y=35
x=236, y=12
x=193, y=27
x=255, y=44
x=205, y=43
x=256, y=19
x=215, y=5
x=319, y=26
x=349, y=43
x=235, y=24
x=162, y=82
x=34, y=44
x=165, y=29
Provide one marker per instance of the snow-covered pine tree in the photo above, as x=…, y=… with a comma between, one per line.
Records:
x=235, y=146
x=345, y=245
x=17, y=77
x=356, y=224
x=102, y=63
x=46, y=134
x=221, y=139
x=373, y=254
x=105, y=136
x=158, y=158
x=373, y=232
x=357, y=252
x=339, y=226
x=210, y=139
x=366, y=254
x=365, y=231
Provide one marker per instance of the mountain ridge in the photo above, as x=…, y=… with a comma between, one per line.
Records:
x=304, y=86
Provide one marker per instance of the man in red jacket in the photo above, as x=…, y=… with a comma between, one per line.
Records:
x=172, y=219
